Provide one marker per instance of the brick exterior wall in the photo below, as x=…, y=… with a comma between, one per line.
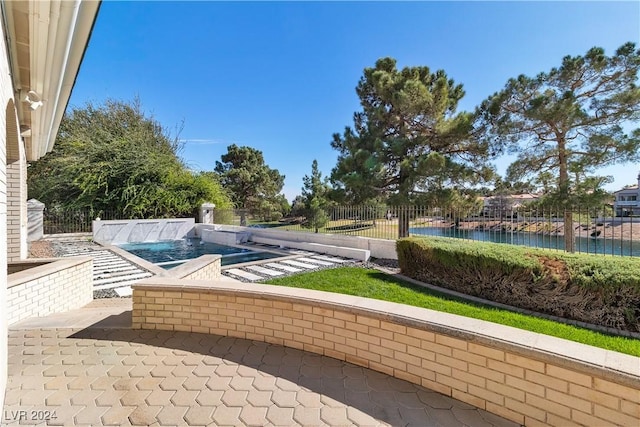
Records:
x=6, y=94
x=58, y=286
x=509, y=377
x=17, y=208
x=205, y=267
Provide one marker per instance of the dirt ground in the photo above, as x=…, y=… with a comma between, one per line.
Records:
x=41, y=249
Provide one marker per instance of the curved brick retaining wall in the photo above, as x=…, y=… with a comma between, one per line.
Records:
x=529, y=378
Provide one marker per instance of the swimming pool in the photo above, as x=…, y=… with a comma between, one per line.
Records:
x=171, y=253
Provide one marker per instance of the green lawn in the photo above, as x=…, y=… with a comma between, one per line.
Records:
x=375, y=284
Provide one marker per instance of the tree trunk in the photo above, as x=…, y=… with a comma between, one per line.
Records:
x=563, y=187
x=403, y=222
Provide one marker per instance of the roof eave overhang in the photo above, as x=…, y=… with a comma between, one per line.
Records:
x=46, y=43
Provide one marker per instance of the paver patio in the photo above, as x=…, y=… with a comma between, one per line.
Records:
x=87, y=367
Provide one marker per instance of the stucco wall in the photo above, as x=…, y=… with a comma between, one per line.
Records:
x=529, y=378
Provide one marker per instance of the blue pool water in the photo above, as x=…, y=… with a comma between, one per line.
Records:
x=172, y=253
x=583, y=244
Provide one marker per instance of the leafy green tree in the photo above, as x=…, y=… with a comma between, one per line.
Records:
x=568, y=121
x=408, y=139
x=315, y=195
x=253, y=185
x=112, y=157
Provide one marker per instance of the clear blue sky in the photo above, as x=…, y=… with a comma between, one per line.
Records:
x=280, y=76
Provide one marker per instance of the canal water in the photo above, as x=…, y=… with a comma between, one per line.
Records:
x=583, y=244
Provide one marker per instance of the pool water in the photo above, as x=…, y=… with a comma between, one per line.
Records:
x=169, y=254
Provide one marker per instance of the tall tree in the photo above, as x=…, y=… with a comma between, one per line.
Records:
x=253, y=185
x=408, y=139
x=315, y=193
x=569, y=121
x=112, y=157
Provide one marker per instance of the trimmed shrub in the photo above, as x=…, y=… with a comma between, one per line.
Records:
x=583, y=287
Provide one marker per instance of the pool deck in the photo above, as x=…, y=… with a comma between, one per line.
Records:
x=115, y=269
x=87, y=367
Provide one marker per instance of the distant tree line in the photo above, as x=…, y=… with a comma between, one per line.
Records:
x=408, y=144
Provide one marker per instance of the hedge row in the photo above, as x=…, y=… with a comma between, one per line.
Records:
x=595, y=289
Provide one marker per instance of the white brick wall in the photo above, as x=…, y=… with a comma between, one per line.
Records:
x=54, y=287
x=6, y=92
x=17, y=208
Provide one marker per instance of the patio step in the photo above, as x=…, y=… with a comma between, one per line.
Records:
x=110, y=270
x=306, y=261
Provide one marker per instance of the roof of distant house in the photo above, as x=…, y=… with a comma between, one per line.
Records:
x=631, y=187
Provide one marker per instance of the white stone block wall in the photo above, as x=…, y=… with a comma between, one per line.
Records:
x=54, y=287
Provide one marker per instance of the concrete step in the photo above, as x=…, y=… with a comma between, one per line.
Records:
x=136, y=276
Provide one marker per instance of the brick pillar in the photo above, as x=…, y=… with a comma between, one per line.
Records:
x=17, y=209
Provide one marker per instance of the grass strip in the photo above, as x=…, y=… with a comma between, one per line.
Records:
x=375, y=284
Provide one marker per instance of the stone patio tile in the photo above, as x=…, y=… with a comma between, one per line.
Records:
x=226, y=416
x=160, y=397
x=184, y=397
x=253, y=416
x=419, y=416
x=247, y=371
x=259, y=398
x=193, y=359
x=64, y=415
x=235, y=398
x=85, y=398
x=204, y=370
x=435, y=400
x=199, y=415
x=152, y=359
x=226, y=370
x=110, y=398
x=125, y=384
x=210, y=397
x=149, y=383
x=264, y=383
x=218, y=383
x=356, y=384
x=35, y=397
x=90, y=415
x=141, y=371
x=286, y=385
x=144, y=415
x=135, y=397
x=59, y=398
x=360, y=418
x=307, y=416
x=284, y=399
x=172, y=415
x=133, y=360
x=119, y=371
x=59, y=383
x=194, y=383
x=117, y=415
x=241, y=383
x=409, y=400
x=308, y=399
x=172, y=383
x=334, y=416
x=80, y=383
x=183, y=370
x=280, y=416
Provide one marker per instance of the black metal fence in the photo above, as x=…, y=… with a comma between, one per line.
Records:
x=589, y=230
x=58, y=221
